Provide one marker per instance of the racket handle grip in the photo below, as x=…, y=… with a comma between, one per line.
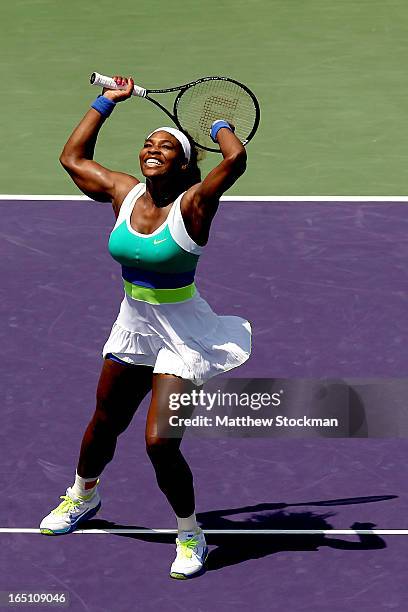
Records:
x=104, y=81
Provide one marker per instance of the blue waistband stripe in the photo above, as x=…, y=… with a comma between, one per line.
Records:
x=157, y=280
x=113, y=357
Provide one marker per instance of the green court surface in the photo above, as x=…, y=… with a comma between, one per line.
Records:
x=330, y=76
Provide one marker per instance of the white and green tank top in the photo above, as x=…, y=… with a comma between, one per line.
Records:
x=158, y=268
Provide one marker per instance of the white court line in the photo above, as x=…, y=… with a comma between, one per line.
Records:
x=227, y=531
x=328, y=198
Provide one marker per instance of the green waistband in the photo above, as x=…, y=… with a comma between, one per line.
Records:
x=159, y=296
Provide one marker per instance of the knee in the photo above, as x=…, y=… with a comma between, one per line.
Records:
x=105, y=422
x=160, y=450
x=99, y=423
x=168, y=462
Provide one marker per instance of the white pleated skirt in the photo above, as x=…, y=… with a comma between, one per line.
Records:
x=187, y=339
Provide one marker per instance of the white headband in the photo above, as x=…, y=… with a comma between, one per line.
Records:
x=182, y=138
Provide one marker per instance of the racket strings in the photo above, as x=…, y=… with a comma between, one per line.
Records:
x=205, y=102
x=213, y=106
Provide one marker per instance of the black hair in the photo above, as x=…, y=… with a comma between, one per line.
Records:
x=192, y=174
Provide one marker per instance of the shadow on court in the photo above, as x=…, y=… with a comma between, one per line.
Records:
x=232, y=549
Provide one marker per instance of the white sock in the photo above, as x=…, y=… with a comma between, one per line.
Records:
x=187, y=524
x=80, y=488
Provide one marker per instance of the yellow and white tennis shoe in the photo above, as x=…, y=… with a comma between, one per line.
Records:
x=191, y=555
x=70, y=513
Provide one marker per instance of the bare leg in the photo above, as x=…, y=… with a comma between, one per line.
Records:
x=173, y=474
x=120, y=390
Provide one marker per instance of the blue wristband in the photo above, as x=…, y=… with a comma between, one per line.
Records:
x=103, y=105
x=216, y=126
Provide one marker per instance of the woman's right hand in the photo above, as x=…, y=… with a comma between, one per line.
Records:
x=118, y=95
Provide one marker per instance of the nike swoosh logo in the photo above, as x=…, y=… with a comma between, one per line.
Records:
x=159, y=241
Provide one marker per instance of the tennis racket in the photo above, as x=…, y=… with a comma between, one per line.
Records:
x=200, y=103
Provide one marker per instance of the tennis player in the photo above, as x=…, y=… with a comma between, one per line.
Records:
x=166, y=338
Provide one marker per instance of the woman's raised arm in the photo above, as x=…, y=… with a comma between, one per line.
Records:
x=95, y=180
x=200, y=203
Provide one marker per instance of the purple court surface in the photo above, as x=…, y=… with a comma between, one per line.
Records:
x=325, y=288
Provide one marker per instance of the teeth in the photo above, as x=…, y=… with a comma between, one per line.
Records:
x=153, y=162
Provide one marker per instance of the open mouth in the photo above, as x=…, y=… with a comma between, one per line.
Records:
x=152, y=161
